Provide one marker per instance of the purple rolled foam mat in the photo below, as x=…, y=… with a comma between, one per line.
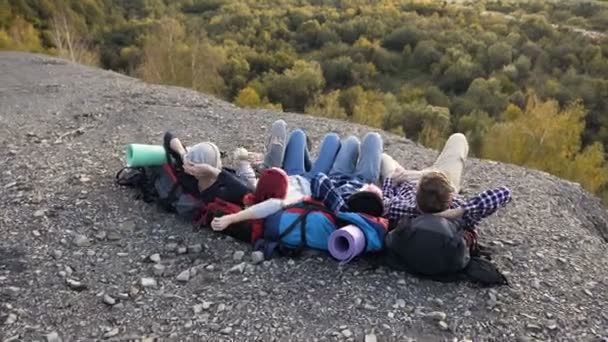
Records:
x=346, y=243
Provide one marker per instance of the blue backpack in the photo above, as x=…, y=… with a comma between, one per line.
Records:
x=308, y=224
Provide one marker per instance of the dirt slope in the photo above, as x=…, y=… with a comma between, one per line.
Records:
x=63, y=129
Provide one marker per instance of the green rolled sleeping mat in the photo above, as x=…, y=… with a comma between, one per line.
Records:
x=145, y=155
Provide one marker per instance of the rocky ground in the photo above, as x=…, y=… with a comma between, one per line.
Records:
x=80, y=259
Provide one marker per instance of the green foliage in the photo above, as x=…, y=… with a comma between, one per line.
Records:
x=549, y=139
x=423, y=69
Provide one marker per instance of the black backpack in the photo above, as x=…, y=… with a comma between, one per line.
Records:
x=170, y=188
x=434, y=247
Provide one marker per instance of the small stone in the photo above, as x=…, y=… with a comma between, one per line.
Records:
x=536, y=283
x=91, y=252
x=221, y=307
x=533, y=327
x=81, y=241
x=206, y=305
x=113, y=236
x=111, y=333
x=437, y=301
x=399, y=282
x=267, y=263
x=399, y=304
x=39, y=213
x=155, y=258
x=226, y=331
x=347, y=333
x=197, y=308
x=497, y=244
x=210, y=268
x=238, y=255
x=249, y=269
x=158, y=269
x=182, y=250
x=291, y=262
x=76, y=285
x=443, y=325
x=197, y=248
x=123, y=295
x=240, y=268
x=184, y=276
x=107, y=299
x=148, y=282
x=36, y=233
x=436, y=315
x=57, y=254
x=53, y=337
x=552, y=325
x=171, y=247
x=101, y=235
x=12, y=318
x=257, y=257
x=13, y=291
x=119, y=306
x=133, y=291
x=588, y=293
x=371, y=338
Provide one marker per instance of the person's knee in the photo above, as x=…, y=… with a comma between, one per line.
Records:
x=458, y=137
x=351, y=141
x=332, y=138
x=298, y=136
x=372, y=139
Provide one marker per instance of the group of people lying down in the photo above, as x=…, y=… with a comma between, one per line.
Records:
x=348, y=175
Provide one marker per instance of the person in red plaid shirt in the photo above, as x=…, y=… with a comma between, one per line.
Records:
x=408, y=193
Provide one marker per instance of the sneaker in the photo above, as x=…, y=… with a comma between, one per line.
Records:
x=275, y=147
x=244, y=170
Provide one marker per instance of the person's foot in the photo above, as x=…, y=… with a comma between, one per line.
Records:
x=275, y=147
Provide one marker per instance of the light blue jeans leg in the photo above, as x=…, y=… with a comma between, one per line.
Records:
x=368, y=167
x=346, y=160
x=327, y=155
x=295, y=153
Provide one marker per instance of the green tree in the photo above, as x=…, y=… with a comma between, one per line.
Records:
x=169, y=57
x=327, y=105
x=499, y=55
x=548, y=138
x=296, y=86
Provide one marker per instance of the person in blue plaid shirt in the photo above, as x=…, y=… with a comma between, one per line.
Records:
x=408, y=193
x=349, y=186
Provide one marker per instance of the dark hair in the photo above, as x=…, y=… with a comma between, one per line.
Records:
x=434, y=192
x=366, y=202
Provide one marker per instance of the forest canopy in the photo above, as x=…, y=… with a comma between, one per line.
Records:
x=527, y=82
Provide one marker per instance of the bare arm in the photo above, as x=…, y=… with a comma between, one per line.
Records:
x=255, y=212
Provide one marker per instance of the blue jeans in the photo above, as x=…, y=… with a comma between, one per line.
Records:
x=365, y=167
x=296, y=155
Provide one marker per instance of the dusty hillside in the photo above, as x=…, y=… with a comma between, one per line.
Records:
x=63, y=129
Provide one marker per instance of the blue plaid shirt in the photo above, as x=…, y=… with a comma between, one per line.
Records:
x=334, y=190
x=400, y=201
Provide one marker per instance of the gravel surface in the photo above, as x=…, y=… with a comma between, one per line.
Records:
x=81, y=259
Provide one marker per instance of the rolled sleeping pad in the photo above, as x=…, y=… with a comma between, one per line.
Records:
x=145, y=155
x=346, y=243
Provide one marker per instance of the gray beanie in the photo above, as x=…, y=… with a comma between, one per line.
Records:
x=205, y=153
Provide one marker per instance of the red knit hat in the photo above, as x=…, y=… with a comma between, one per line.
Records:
x=272, y=184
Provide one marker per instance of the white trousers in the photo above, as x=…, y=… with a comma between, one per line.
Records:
x=450, y=161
